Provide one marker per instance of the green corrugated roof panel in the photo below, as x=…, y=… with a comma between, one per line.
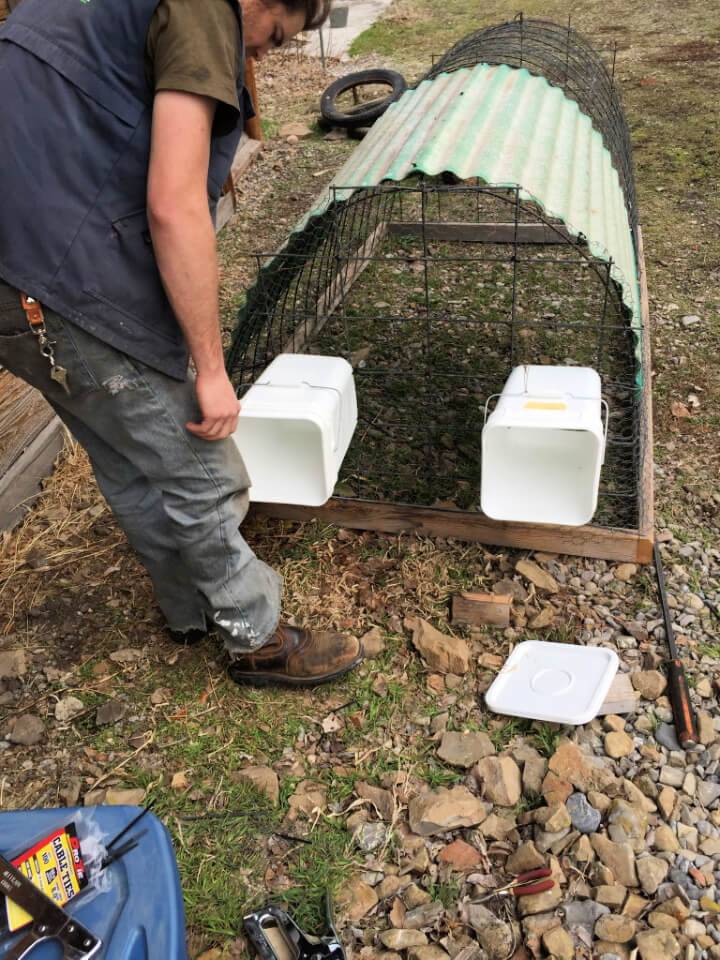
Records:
x=508, y=128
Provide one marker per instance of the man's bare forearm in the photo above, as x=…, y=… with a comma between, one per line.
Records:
x=184, y=243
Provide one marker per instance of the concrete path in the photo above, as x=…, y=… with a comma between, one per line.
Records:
x=360, y=15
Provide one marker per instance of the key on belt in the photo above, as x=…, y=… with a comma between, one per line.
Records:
x=36, y=322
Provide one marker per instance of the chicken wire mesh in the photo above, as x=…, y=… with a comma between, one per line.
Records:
x=433, y=311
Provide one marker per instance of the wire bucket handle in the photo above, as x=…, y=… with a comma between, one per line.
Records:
x=603, y=405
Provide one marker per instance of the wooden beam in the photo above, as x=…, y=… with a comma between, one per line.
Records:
x=479, y=609
x=483, y=232
x=224, y=211
x=332, y=295
x=599, y=543
x=244, y=155
x=227, y=205
x=21, y=483
x=253, y=126
x=646, y=492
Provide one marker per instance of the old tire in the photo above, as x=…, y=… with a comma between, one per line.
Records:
x=362, y=115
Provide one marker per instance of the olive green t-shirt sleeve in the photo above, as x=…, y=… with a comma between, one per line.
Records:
x=195, y=46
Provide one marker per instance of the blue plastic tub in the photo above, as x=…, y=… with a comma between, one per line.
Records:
x=137, y=909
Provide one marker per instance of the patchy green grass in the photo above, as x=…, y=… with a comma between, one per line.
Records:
x=545, y=738
x=318, y=868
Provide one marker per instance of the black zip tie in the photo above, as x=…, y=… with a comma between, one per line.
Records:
x=130, y=825
x=122, y=850
x=343, y=706
x=287, y=836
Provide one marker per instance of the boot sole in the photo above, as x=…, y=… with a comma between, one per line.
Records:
x=283, y=679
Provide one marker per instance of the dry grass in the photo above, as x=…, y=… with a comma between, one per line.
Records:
x=56, y=539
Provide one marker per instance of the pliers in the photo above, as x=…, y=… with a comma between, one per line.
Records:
x=524, y=885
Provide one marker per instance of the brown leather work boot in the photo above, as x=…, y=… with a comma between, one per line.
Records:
x=297, y=658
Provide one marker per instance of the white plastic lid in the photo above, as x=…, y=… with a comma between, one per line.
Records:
x=556, y=682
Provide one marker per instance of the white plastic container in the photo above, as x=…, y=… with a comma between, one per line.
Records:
x=555, y=682
x=295, y=426
x=543, y=446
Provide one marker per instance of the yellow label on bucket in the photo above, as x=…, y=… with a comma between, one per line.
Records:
x=545, y=405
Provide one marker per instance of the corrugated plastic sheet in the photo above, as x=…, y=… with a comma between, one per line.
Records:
x=508, y=128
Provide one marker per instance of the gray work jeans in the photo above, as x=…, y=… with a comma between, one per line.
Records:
x=179, y=499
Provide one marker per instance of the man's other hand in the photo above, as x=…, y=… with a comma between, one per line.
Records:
x=219, y=407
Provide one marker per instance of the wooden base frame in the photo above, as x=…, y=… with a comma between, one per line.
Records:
x=619, y=545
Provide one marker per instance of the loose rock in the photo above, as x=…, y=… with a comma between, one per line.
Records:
x=441, y=652
x=13, y=664
x=651, y=872
x=381, y=799
x=619, y=857
x=370, y=836
x=495, y=937
x=28, y=730
x=68, y=708
x=581, y=769
x=657, y=945
x=441, y=810
x=109, y=712
x=616, y=929
x=559, y=943
x=666, y=736
x=584, y=817
x=466, y=748
x=500, y=780
x=356, y=899
x=618, y=744
x=402, y=939
x=526, y=857
x=535, y=574
x=430, y=952
x=373, y=642
x=460, y=855
x=426, y=915
x=540, y=902
x=295, y=129
x=121, y=798
x=650, y=684
x=625, y=571
x=263, y=778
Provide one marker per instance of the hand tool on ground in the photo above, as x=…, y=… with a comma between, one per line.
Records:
x=524, y=885
x=683, y=713
x=275, y=936
x=50, y=922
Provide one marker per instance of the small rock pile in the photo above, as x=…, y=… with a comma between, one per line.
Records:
x=633, y=849
x=627, y=821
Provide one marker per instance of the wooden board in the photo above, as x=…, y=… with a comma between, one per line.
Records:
x=597, y=542
x=483, y=232
x=621, y=697
x=22, y=482
x=332, y=296
x=646, y=523
x=479, y=609
x=246, y=152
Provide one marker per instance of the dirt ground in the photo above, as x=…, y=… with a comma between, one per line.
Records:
x=116, y=707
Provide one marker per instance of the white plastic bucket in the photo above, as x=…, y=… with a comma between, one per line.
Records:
x=295, y=426
x=543, y=446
